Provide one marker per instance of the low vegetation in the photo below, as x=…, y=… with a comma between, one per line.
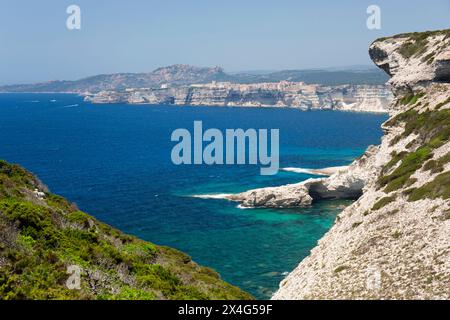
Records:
x=41, y=236
x=432, y=129
x=410, y=164
x=443, y=103
x=411, y=99
x=383, y=202
x=415, y=36
x=414, y=47
x=436, y=166
x=438, y=188
x=429, y=58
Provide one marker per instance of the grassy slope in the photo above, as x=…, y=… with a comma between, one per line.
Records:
x=41, y=236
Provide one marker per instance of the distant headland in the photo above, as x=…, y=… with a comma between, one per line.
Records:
x=359, y=89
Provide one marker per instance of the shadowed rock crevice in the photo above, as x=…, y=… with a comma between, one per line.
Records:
x=319, y=192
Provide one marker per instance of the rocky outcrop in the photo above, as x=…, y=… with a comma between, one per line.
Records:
x=343, y=183
x=413, y=60
x=393, y=243
x=294, y=195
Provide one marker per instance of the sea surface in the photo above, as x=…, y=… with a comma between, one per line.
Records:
x=114, y=162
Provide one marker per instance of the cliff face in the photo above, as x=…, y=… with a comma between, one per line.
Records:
x=368, y=98
x=44, y=239
x=413, y=60
x=393, y=242
x=292, y=94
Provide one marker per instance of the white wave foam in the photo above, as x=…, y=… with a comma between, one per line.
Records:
x=212, y=196
x=299, y=170
x=318, y=172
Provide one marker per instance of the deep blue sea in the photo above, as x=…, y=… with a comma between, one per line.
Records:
x=114, y=162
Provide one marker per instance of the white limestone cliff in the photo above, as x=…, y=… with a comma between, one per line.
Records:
x=358, y=98
x=393, y=242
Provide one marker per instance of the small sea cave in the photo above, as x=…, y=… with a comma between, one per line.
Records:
x=319, y=192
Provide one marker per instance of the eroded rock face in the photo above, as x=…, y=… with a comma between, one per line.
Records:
x=393, y=242
x=413, y=60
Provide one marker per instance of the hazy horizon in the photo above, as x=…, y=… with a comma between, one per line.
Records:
x=145, y=35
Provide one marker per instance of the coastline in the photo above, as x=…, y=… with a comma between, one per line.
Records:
x=205, y=105
x=392, y=242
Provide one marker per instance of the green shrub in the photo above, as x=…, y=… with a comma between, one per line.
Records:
x=383, y=202
x=413, y=48
x=419, y=35
x=412, y=162
x=39, y=240
x=140, y=248
x=34, y=221
x=78, y=217
x=128, y=293
x=441, y=104
x=433, y=130
x=438, y=188
x=26, y=241
x=411, y=99
x=429, y=58
x=436, y=166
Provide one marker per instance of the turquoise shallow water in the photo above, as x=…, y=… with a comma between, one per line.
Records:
x=114, y=162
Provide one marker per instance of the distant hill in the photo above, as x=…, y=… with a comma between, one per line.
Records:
x=178, y=75
x=174, y=75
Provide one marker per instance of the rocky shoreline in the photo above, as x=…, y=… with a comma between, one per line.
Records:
x=393, y=241
x=344, y=183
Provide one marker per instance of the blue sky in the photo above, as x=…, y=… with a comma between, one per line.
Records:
x=139, y=36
